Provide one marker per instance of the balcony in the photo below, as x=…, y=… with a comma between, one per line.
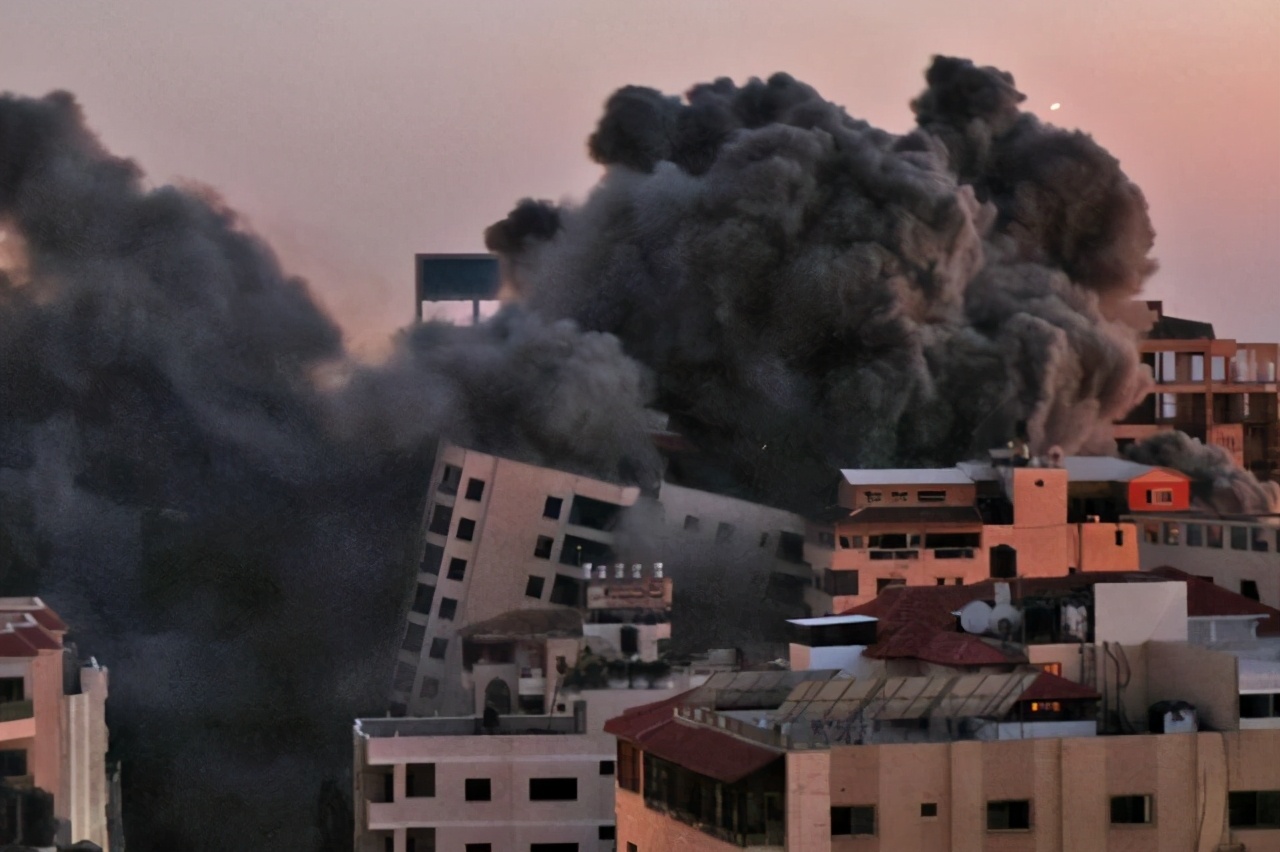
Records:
x=11, y=710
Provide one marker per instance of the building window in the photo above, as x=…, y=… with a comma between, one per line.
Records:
x=1009, y=815
x=457, y=568
x=631, y=847
x=928, y=810
x=1258, y=543
x=872, y=496
x=431, y=559
x=1217, y=368
x=691, y=523
x=566, y=590
x=1168, y=406
x=553, y=847
x=423, y=598
x=477, y=790
x=478, y=847
x=900, y=496
x=1249, y=589
x=857, y=819
x=1160, y=496
x=441, y=518
x=553, y=789
x=420, y=780
x=606, y=767
x=606, y=832
x=1151, y=532
x=1195, y=535
x=1171, y=532
x=840, y=582
x=552, y=508
x=1054, y=669
x=430, y=687
x=1253, y=808
x=724, y=532
x=402, y=679
x=466, y=529
x=1259, y=705
x=1239, y=538
x=450, y=480
x=883, y=583
x=764, y=539
x=414, y=636
x=475, y=489
x=438, y=648
x=1119, y=538
x=1213, y=535
x=542, y=550
x=533, y=588
x=628, y=766
x=931, y=496
x=448, y=608
x=826, y=539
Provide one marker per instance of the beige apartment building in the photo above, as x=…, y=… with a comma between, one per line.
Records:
x=1220, y=391
x=961, y=525
x=53, y=733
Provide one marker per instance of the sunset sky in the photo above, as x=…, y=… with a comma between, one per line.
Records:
x=355, y=134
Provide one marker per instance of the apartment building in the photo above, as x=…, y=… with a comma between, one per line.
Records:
x=53, y=733
x=1238, y=553
x=1220, y=391
x=979, y=520
x=497, y=535
x=951, y=748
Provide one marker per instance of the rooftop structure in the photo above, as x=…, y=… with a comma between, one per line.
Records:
x=473, y=278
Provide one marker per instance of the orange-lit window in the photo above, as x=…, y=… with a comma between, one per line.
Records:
x=1051, y=668
x=1046, y=707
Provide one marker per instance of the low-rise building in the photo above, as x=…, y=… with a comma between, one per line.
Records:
x=1240, y=553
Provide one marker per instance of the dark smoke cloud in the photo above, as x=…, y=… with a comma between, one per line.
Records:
x=812, y=292
x=1218, y=484
x=216, y=498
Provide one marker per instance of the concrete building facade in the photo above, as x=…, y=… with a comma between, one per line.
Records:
x=1238, y=553
x=53, y=732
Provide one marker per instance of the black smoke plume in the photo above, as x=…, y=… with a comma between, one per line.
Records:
x=218, y=500
x=814, y=293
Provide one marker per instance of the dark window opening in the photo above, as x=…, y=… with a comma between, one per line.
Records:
x=790, y=547
x=438, y=648
x=1239, y=538
x=1119, y=538
x=432, y=557
x=430, y=687
x=931, y=496
x=457, y=568
x=414, y=636
x=475, y=489
x=420, y=840
x=576, y=551
x=854, y=820
x=542, y=549
x=1012, y=815
x=606, y=767
x=448, y=608
x=466, y=529
x=478, y=847
x=533, y=588
x=1213, y=535
x=606, y=832
x=450, y=479
x=595, y=514
x=1249, y=589
x=628, y=766
x=553, y=847
x=1262, y=705
x=566, y=591
x=420, y=780
x=928, y=809
x=691, y=523
x=724, y=532
x=933, y=541
x=423, y=599
x=1003, y=562
x=477, y=790
x=552, y=508
x=840, y=582
x=883, y=583
x=1253, y=808
x=629, y=640
x=441, y=518
x=1195, y=535
x=553, y=789
x=1130, y=810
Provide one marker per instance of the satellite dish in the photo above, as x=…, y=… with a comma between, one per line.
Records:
x=1005, y=619
x=975, y=617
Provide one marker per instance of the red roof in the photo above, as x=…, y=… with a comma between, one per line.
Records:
x=655, y=729
x=1206, y=600
x=927, y=642
x=37, y=636
x=1050, y=687
x=14, y=645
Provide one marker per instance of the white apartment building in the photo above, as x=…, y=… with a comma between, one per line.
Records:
x=1238, y=553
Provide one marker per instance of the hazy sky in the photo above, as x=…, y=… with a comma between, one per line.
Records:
x=353, y=134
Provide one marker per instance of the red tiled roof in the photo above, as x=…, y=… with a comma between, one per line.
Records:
x=927, y=642
x=706, y=751
x=14, y=645
x=636, y=720
x=37, y=636
x=1050, y=687
x=1206, y=600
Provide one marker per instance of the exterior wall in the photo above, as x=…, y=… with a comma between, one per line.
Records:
x=1106, y=547
x=1069, y=782
x=652, y=831
x=808, y=816
x=856, y=496
x=1208, y=679
x=1132, y=613
x=1141, y=486
x=44, y=759
x=749, y=521
x=1228, y=566
x=500, y=559
x=84, y=786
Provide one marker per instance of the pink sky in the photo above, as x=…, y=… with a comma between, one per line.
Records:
x=355, y=134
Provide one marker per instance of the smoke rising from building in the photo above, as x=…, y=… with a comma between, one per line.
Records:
x=216, y=498
x=812, y=292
